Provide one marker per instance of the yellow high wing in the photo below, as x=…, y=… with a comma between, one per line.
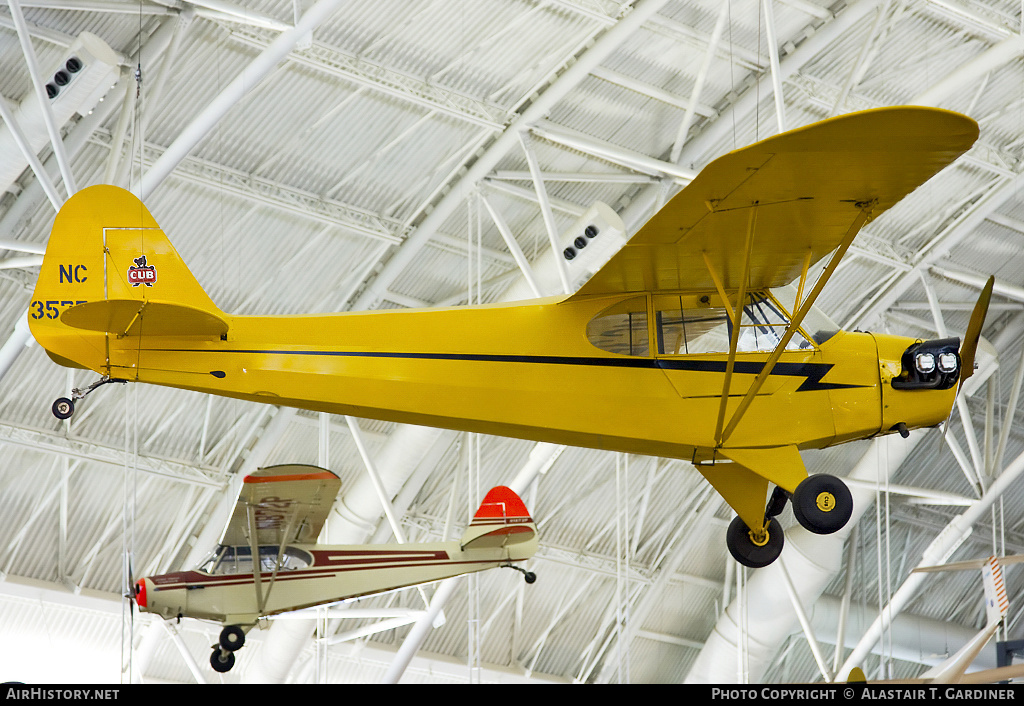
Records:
x=808, y=186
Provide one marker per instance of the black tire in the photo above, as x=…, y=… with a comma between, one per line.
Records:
x=822, y=504
x=63, y=408
x=750, y=553
x=232, y=638
x=222, y=661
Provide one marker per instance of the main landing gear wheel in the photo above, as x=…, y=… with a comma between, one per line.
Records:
x=232, y=638
x=822, y=504
x=752, y=550
x=222, y=660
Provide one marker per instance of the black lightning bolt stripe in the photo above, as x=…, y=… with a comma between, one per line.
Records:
x=811, y=372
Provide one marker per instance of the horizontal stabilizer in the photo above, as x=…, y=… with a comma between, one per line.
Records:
x=133, y=317
x=501, y=520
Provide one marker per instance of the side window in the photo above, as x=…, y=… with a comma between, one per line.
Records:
x=687, y=324
x=238, y=560
x=621, y=328
x=684, y=325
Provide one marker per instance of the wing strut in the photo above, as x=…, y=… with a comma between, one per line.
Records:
x=736, y=315
x=863, y=215
x=254, y=547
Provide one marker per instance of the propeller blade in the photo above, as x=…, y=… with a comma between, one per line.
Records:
x=970, y=344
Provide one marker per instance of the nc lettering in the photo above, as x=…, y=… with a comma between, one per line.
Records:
x=73, y=273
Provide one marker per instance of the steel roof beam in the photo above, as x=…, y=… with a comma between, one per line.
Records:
x=602, y=47
x=238, y=88
x=95, y=452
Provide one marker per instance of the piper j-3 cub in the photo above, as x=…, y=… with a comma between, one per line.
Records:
x=277, y=519
x=685, y=344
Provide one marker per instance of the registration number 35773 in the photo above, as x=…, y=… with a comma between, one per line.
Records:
x=51, y=308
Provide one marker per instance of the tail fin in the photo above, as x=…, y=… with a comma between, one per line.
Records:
x=110, y=272
x=501, y=521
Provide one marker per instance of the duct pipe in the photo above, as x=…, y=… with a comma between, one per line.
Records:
x=914, y=638
x=568, y=80
x=39, y=83
x=248, y=79
x=815, y=559
x=938, y=552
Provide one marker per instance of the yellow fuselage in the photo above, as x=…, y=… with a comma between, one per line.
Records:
x=527, y=370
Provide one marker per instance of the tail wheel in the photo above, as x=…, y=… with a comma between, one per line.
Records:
x=63, y=408
x=751, y=549
x=222, y=661
x=822, y=504
x=232, y=638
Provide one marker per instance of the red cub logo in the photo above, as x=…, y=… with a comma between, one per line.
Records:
x=141, y=273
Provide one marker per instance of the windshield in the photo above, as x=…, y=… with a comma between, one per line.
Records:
x=816, y=323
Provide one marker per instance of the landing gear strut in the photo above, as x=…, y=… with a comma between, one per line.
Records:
x=821, y=504
x=64, y=407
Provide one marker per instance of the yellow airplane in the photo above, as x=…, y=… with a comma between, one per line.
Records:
x=685, y=344
x=278, y=517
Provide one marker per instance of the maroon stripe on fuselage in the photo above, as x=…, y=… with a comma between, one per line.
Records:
x=208, y=581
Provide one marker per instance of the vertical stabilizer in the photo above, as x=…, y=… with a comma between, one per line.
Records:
x=110, y=272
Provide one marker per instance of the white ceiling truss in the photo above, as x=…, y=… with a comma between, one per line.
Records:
x=338, y=155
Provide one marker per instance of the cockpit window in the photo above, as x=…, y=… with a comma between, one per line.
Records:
x=687, y=323
x=622, y=328
x=227, y=560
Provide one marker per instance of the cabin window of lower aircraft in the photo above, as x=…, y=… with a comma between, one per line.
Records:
x=238, y=560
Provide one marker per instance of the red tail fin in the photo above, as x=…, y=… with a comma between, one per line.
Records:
x=502, y=519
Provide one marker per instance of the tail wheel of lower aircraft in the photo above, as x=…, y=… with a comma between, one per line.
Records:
x=222, y=661
x=232, y=638
x=752, y=550
x=822, y=504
